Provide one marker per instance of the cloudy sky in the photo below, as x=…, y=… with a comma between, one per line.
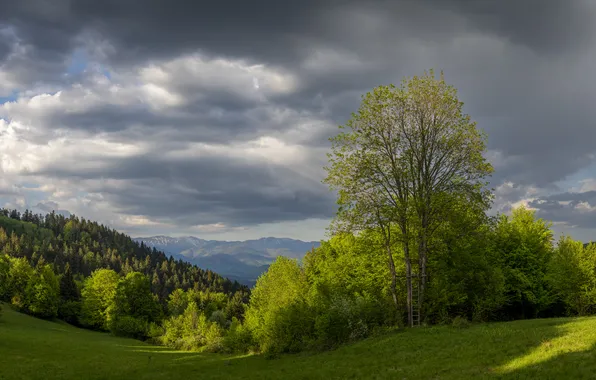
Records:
x=212, y=120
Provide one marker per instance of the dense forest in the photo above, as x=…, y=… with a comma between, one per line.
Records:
x=412, y=244
x=86, y=273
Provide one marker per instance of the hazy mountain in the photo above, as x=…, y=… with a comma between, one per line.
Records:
x=243, y=261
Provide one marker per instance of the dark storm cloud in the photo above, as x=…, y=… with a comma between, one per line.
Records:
x=207, y=190
x=574, y=209
x=544, y=26
x=515, y=64
x=280, y=31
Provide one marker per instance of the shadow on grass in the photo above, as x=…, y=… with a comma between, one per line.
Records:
x=533, y=349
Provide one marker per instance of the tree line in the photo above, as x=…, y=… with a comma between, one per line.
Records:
x=89, y=275
x=412, y=242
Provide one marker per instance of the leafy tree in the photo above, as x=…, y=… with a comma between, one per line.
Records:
x=42, y=294
x=523, y=246
x=407, y=154
x=178, y=302
x=4, y=279
x=572, y=275
x=70, y=305
x=19, y=275
x=98, y=298
x=133, y=297
x=134, y=306
x=278, y=314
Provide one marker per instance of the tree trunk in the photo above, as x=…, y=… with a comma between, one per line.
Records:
x=393, y=276
x=409, y=283
x=422, y=261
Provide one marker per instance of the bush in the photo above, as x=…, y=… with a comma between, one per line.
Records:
x=238, y=339
x=344, y=318
x=155, y=333
x=460, y=322
x=69, y=311
x=129, y=327
x=192, y=331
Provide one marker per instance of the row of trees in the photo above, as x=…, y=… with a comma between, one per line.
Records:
x=507, y=269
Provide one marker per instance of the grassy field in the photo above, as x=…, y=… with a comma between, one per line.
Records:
x=538, y=349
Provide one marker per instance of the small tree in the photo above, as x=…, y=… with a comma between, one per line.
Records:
x=277, y=313
x=134, y=306
x=42, y=293
x=98, y=297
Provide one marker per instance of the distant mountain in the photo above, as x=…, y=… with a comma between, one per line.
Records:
x=243, y=261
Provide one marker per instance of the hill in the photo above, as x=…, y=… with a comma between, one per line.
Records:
x=532, y=349
x=86, y=246
x=243, y=261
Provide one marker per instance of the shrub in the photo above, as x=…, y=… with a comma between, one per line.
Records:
x=346, y=318
x=192, y=331
x=128, y=326
x=69, y=311
x=155, y=333
x=238, y=338
x=460, y=322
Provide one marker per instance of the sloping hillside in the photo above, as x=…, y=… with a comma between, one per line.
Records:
x=535, y=349
x=86, y=246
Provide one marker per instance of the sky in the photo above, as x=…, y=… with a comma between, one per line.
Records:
x=187, y=118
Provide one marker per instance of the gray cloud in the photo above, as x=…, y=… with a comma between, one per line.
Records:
x=522, y=68
x=207, y=190
x=575, y=209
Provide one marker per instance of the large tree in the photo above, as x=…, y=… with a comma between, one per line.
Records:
x=404, y=159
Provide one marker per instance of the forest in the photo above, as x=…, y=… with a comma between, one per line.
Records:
x=413, y=244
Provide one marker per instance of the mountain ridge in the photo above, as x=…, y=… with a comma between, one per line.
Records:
x=243, y=260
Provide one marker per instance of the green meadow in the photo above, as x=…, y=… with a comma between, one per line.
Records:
x=563, y=348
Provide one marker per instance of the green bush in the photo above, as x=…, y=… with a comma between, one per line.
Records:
x=192, y=331
x=347, y=318
x=460, y=322
x=129, y=327
x=69, y=311
x=238, y=338
x=155, y=333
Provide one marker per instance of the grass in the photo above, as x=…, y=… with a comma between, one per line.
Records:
x=537, y=349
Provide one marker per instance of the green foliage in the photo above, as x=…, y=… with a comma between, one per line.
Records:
x=98, y=298
x=19, y=274
x=129, y=326
x=69, y=311
x=178, y=302
x=523, y=248
x=460, y=322
x=133, y=307
x=278, y=314
x=69, y=290
x=238, y=338
x=572, y=275
x=192, y=331
x=42, y=293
